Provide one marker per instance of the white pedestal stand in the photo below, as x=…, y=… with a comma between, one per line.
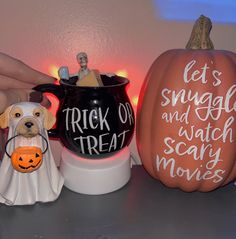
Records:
x=95, y=176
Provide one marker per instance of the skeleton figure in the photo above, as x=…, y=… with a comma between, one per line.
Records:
x=82, y=59
x=84, y=77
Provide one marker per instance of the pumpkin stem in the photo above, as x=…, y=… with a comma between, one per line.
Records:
x=200, y=36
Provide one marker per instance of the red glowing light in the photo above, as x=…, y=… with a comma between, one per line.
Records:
x=53, y=71
x=122, y=73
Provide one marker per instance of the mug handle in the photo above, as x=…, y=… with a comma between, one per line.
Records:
x=58, y=91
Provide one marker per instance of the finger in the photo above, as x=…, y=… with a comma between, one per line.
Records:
x=14, y=68
x=4, y=101
x=11, y=96
x=9, y=83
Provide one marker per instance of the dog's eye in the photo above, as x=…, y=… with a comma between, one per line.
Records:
x=17, y=115
x=37, y=114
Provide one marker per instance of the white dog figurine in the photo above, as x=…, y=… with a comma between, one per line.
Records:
x=28, y=173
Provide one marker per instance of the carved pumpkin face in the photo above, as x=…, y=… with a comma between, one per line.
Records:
x=26, y=159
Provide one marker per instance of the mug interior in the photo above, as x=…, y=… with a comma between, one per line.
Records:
x=108, y=81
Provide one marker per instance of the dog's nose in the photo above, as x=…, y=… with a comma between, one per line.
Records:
x=29, y=124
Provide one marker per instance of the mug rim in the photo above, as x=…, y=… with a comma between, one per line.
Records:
x=125, y=82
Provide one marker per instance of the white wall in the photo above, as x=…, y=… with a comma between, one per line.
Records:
x=116, y=34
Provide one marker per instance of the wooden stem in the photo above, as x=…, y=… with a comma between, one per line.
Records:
x=200, y=36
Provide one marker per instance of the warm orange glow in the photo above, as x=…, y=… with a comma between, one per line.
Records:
x=135, y=100
x=122, y=73
x=53, y=71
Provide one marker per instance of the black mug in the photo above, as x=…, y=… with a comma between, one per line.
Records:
x=92, y=120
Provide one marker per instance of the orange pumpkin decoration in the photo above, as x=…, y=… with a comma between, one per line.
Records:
x=186, y=115
x=26, y=159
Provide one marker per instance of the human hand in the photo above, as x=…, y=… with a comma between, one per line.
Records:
x=17, y=80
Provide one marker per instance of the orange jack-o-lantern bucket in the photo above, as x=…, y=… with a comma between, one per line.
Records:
x=26, y=159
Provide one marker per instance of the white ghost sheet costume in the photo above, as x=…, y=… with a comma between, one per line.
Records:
x=41, y=185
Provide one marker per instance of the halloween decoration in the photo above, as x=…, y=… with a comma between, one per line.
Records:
x=93, y=121
x=186, y=115
x=26, y=159
x=63, y=72
x=28, y=173
x=85, y=76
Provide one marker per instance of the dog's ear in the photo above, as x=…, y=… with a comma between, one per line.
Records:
x=4, y=118
x=49, y=119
